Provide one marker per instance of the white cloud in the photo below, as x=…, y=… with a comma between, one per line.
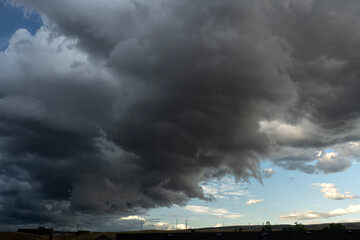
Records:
x=220, y=212
x=181, y=226
x=309, y=214
x=162, y=225
x=234, y=216
x=332, y=192
x=134, y=217
x=207, y=210
x=268, y=172
x=237, y=193
x=254, y=201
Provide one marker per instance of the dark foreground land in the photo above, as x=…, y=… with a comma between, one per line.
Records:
x=275, y=235
x=312, y=232
x=254, y=235
x=66, y=236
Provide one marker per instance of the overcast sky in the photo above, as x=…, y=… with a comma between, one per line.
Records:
x=114, y=113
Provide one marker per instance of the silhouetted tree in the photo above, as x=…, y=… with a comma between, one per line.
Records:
x=267, y=227
x=297, y=227
x=238, y=229
x=335, y=227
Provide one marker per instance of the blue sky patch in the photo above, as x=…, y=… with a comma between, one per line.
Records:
x=12, y=19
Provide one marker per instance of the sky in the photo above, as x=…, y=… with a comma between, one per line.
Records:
x=122, y=115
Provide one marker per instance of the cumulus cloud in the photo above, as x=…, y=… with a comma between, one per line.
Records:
x=308, y=215
x=331, y=162
x=254, y=201
x=332, y=192
x=137, y=106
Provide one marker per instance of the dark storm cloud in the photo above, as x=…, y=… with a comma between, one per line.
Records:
x=118, y=106
x=324, y=65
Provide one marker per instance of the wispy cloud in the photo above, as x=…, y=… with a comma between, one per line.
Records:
x=254, y=201
x=237, y=193
x=133, y=217
x=208, y=189
x=225, y=188
x=234, y=216
x=206, y=210
x=268, y=173
x=220, y=212
x=309, y=214
x=332, y=192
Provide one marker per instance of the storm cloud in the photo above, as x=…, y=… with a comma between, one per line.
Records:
x=116, y=107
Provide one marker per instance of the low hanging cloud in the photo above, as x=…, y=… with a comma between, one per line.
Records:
x=134, y=108
x=309, y=215
x=332, y=192
x=254, y=201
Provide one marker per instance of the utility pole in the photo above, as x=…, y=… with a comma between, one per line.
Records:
x=77, y=231
x=186, y=224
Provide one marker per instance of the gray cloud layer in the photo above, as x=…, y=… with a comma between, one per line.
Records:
x=114, y=107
